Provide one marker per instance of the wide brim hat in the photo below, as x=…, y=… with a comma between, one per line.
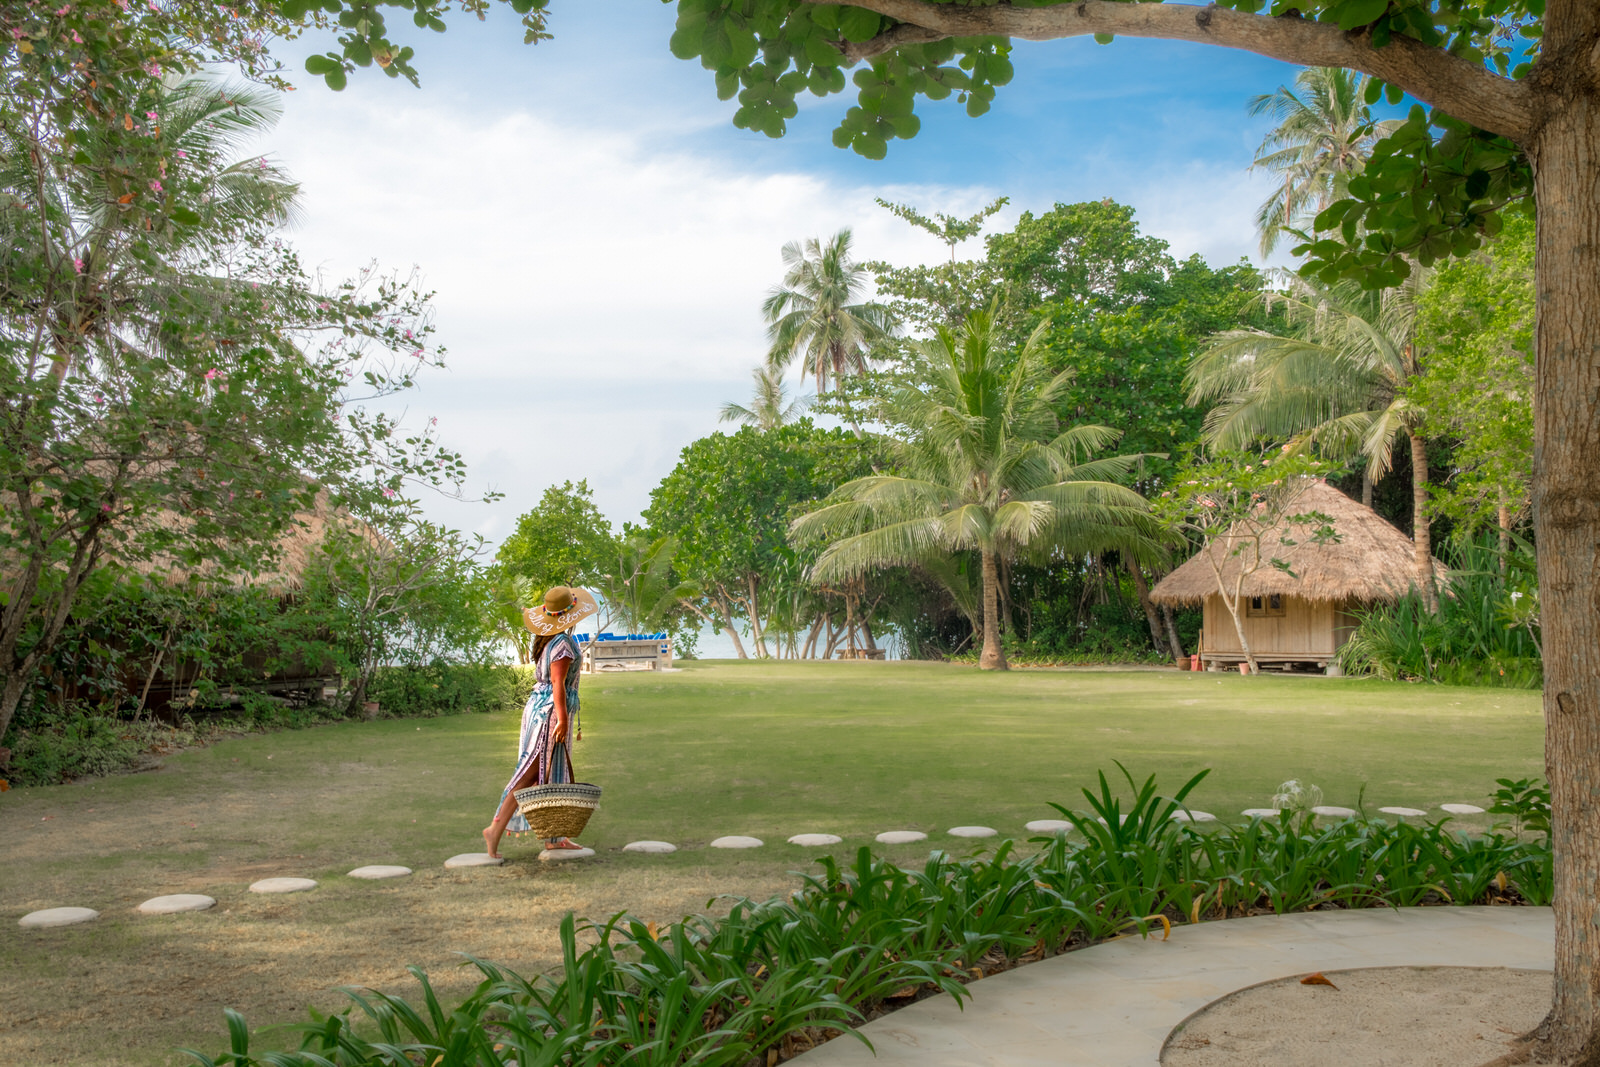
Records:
x=563, y=608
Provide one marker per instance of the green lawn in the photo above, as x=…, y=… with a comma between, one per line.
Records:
x=720, y=748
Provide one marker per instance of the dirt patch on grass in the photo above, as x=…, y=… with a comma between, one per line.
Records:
x=1396, y=1016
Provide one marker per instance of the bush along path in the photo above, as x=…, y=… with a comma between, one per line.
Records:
x=775, y=978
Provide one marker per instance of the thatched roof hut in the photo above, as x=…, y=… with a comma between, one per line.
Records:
x=1304, y=617
x=1372, y=561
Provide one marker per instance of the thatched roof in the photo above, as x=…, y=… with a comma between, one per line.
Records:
x=1371, y=561
x=294, y=550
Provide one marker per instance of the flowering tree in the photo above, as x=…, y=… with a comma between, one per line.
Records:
x=1236, y=506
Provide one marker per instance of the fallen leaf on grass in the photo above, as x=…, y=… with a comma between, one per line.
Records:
x=1317, y=979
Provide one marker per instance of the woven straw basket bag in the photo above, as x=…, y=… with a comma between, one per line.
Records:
x=558, y=810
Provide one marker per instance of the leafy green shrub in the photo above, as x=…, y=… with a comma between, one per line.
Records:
x=777, y=976
x=80, y=744
x=1474, y=639
x=444, y=689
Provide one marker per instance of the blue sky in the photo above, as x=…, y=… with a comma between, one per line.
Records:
x=600, y=236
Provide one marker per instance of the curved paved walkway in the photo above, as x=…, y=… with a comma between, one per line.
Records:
x=1113, y=1005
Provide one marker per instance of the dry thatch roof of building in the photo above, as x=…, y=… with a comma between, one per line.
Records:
x=292, y=556
x=1371, y=561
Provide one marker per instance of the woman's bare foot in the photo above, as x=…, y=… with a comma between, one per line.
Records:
x=491, y=842
x=562, y=843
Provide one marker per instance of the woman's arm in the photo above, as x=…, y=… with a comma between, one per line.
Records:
x=558, y=684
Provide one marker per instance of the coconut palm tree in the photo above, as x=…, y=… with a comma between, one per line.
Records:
x=767, y=410
x=1334, y=379
x=983, y=464
x=1322, y=140
x=817, y=314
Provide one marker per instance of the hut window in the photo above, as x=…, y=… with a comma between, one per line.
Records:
x=1266, y=606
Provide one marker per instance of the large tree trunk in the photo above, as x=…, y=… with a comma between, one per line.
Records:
x=1566, y=511
x=1366, y=487
x=993, y=657
x=1142, y=588
x=1421, y=531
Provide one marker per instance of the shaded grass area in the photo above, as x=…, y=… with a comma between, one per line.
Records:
x=763, y=749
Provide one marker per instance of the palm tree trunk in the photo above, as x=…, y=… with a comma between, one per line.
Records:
x=1366, y=488
x=1142, y=588
x=1422, y=533
x=993, y=657
x=1172, y=632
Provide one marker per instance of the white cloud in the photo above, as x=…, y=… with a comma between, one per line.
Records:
x=600, y=298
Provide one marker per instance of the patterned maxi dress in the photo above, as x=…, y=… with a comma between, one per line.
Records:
x=533, y=743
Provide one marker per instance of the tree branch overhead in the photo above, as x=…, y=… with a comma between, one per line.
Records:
x=1465, y=90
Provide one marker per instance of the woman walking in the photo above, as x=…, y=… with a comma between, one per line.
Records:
x=550, y=718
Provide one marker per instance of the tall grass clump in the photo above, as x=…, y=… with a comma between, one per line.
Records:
x=862, y=937
x=1481, y=635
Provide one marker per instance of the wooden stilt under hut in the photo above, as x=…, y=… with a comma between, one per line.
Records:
x=1298, y=621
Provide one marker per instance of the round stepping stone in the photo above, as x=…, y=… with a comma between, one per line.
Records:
x=1193, y=816
x=1333, y=811
x=556, y=855
x=735, y=841
x=972, y=831
x=474, y=859
x=282, y=885
x=649, y=846
x=38, y=920
x=1461, y=809
x=815, y=840
x=900, y=837
x=1048, y=826
x=1415, y=813
x=176, y=902
x=1260, y=813
x=379, y=871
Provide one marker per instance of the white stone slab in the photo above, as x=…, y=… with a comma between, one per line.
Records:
x=474, y=859
x=736, y=841
x=650, y=846
x=1461, y=809
x=555, y=855
x=1193, y=816
x=900, y=837
x=379, y=871
x=282, y=885
x=176, y=902
x=1049, y=826
x=972, y=831
x=1333, y=811
x=1260, y=813
x=815, y=840
x=36, y=920
x=1415, y=813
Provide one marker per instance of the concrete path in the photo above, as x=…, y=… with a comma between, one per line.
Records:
x=1114, y=1004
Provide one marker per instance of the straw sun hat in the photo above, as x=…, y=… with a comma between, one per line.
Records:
x=563, y=608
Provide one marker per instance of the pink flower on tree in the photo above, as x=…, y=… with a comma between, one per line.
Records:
x=151, y=115
x=77, y=264
x=181, y=154
x=389, y=493
x=155, y=187
x=210, y=374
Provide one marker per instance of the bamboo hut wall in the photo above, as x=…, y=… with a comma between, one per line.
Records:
x=1306, y=627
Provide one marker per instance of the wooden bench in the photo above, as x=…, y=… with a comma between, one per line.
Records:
x=630, y=653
